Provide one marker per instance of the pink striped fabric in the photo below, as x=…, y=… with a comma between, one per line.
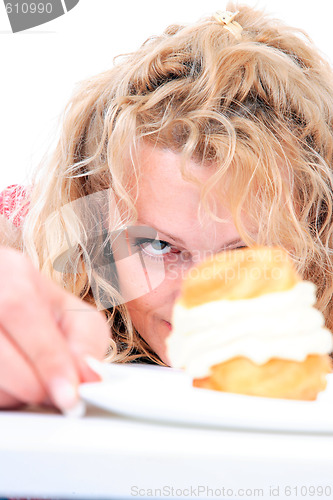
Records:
x=11, y=199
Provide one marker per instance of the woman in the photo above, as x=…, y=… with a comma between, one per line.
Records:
x=209, y=137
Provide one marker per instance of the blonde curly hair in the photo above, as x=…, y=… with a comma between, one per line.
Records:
x=259, y=108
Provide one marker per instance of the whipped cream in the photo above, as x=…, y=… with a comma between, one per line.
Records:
x=275, y=325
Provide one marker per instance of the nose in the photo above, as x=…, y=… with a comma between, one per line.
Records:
x=176, y=271
x=198, y=256
x=174, y=276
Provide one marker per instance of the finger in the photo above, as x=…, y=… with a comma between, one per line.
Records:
x=88, y=335
x=36, y=333
x=87, y=330
x=84, y=327
x=8, y=402
x=17, y=377
x=86, y=373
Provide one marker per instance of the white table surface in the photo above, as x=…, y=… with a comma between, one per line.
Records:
x=44, y=454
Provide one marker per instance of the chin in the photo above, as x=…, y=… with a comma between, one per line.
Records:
x=163, y=357
x=155, y=334
x=161, y=349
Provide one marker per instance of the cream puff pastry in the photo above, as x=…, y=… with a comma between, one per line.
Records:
x=246, y=323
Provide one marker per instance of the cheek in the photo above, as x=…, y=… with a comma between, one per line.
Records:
x=138, y=276
x=145, y=307
x=141, y=307
x=148, y=315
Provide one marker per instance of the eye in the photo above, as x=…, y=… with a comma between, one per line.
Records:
x=154, y=248
x=236, y=248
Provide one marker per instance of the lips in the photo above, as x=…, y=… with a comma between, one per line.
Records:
x=168, y=324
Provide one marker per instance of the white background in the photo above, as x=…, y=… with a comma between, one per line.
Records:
x=39, y=67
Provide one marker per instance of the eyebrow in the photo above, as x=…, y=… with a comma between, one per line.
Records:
x=176, y=239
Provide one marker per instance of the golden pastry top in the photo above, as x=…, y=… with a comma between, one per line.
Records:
x=239, y=274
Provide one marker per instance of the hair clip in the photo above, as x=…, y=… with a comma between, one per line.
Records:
x=226, y=18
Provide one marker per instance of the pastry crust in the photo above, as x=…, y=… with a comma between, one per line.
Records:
x=278, y=378
x=239, y=274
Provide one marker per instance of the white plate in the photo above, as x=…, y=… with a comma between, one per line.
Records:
x=167, y=395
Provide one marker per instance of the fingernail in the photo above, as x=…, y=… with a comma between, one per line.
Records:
x=87, y=374
x=77, y=411
x=95, y=365
x=64, y=394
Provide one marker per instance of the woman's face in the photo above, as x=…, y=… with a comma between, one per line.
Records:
x=169, y=204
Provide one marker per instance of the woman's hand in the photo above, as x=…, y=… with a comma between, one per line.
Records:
x=45, y=333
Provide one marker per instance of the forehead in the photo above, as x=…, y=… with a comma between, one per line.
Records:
x=161, y=184
x=170, y=203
